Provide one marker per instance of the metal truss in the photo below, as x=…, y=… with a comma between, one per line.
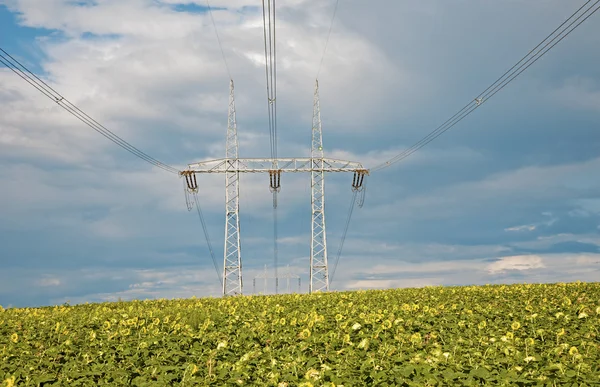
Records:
x=299, y=164
x=319, y=275
x=232, y=259
x=232, y=166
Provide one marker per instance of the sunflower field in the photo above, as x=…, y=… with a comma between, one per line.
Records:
x=525, y=335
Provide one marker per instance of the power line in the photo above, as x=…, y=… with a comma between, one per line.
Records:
x=274, y=111
x=499, y=84
x=269, y=37
x=339, y=252
x=275, y=250
x=270, y=46
x=18, y=68
x=218, y=38
x=328, y=36
x=208, y=242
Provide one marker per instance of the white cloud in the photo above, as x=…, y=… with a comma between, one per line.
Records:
x=49, y=281
x=525, y=227
x=156, y=77
x=579, y=93
x=530, y=268
x=532, y=227
x=521, y=262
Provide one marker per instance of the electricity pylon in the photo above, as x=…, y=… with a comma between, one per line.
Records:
x=232, y=260
x=288, y=275
x=232, y=166
x=319, y=276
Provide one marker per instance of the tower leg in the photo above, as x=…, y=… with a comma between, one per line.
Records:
x=319, y=276
x=232, y=260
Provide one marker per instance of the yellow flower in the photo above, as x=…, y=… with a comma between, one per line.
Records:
x=573, y=351
x=305, y=334
x=10, y=382
x=106, y=325
x=282, y=321
x=14, y=338
x=364, y=343
x=510, y=335
x=561, y=332
x=415, y=338
x=312, y=374
x=516, y=325
x=529, y=341
x=482, y=325
x=346, y=338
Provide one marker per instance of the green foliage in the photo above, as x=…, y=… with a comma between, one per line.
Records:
x=518, y=335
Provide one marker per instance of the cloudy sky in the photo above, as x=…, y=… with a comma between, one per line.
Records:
x=511, y=194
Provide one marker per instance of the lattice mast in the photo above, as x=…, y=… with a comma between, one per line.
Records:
x=232, y=260
x=232, y=166
x=319, y=276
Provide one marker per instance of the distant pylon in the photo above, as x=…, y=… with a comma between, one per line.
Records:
x=232, y=260
x=265, y=276
x=319, y=276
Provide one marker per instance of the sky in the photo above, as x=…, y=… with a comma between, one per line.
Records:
x=509, y=195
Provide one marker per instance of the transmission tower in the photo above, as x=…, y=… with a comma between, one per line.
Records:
x=287, y=276
x=232, y=166
x=319, y=278
x=232, y=260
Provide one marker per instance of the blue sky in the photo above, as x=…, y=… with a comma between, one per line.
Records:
x=509, y=195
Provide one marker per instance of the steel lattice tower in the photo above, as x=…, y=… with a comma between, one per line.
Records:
x=232, y=260
x=232, y=166
x=319, y=277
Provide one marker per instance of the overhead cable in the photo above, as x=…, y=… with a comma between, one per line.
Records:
x=270, y=46
x=218, y=38
x=501, y=82
x=18, y=68
x=328, y=37
x=208, y=242
x=269, y=37
x=340, y=248
x=275, y=250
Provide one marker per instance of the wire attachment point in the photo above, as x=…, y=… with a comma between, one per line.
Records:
x=190, y=179
x=358, y=179
x=275, y=180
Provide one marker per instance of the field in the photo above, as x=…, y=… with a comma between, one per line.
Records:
x=439, y=336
